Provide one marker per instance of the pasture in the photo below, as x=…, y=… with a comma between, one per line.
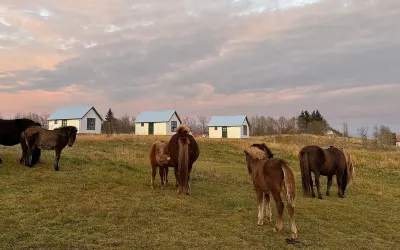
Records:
x=102, y=199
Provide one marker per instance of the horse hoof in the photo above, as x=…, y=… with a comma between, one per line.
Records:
x=260, y=223
x=320, y=197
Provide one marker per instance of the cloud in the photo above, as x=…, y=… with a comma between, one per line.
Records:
x=208, y=57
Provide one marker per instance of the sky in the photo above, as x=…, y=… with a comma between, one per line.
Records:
x=210, y=57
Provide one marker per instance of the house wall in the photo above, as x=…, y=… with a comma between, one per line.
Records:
x=242, y=130
x=160, y=128
x=53, y=125
x=398, y=143
x=212, y=133
x=168, y=125
x=139, y=130
x=83, y=124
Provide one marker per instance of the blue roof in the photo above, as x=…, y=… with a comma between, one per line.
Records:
x=156, y=116
x=227, y=121
x=71, y=113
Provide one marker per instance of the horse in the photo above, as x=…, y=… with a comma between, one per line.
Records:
x=326, y=162
x=11, y=132
x=159, y=158
x=184, y=151
x=45, y=139
x=272, y=176
x=264, y=147
x=350, y=166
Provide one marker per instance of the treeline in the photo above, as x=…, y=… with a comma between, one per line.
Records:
x=121, y=125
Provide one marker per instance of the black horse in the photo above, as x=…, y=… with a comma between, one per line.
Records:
x=11, y=134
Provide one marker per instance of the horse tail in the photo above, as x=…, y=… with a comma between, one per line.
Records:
x=345, y=178
x=350, y=169
x=305, y=173
x=183, y=163
x=290, y=183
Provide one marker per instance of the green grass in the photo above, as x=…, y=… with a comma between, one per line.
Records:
x=101, y=199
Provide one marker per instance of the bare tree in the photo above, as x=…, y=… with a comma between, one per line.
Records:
x=190, y=122
x=363, y=133
x=42, y=119
x=345, y=129
x=203, y=123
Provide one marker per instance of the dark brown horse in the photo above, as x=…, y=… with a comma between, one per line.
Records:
x=264, y=148
x=272, y=176
x=184, y=151
x=45, y=139
x=11, y=132
x=159, y=158
x=326, y=162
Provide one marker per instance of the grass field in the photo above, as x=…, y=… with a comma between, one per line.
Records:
x=101, y=199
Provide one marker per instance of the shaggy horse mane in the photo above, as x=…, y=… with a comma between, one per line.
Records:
x=183, y=129
x=256, y=153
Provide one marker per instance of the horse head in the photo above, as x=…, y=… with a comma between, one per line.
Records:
x=72, y=130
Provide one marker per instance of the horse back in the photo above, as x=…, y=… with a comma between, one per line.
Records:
x=173, y=148
x=269, y=175
x=11, y=130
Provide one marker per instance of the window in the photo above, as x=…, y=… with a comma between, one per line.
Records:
x=55, y=121
x=244, y=129
x=215, y=128
x=142, y=124
x=64, y=123
x=173, y=126
x=91, y=123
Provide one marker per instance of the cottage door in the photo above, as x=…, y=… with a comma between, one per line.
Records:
x=224, y=132
x=151, y=128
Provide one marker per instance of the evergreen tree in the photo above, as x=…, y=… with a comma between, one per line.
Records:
x=109, y=123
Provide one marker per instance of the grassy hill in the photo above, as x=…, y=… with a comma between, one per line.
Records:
x=101, y=198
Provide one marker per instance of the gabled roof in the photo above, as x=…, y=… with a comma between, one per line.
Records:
x=156, y=116
x=227, y=121
x=69, y=113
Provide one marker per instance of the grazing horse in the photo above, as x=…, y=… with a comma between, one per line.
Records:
x=264, y=147
x=184, y=151
x=45, y=139
x=159, y=158
x=11, y=132
x=326, y=162
x=272, y=176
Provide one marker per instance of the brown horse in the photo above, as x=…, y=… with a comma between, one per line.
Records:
x=159, y=158
x=326, y=162
x=56, y=140
x=272, y=176
x=184, y=151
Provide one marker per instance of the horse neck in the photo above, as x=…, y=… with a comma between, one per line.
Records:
x=255, y=165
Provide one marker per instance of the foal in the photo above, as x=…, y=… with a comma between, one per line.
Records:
x=45, y=139
x=272, y=176
x=159, y=158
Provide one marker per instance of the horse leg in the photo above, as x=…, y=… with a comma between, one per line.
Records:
x=57, y=159
x=24, y=148
x=267, y=205
x=290, y=209
x=260, y=203
x=165, y=176
x=153, y=174
x=339, y=177
x=188, y=186
x=176, y=175
x=316, y=175
x=328, y=186
x=161, y=172
x=28, y=157
x=279, y=207
x=312, y=186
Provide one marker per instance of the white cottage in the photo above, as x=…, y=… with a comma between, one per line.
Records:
x=236, y=126
x=85, y=118
x=163, y=122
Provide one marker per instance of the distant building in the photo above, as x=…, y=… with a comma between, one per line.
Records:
x=162, y=122
x=85, y=118
x=236, y=126
x=398, y=140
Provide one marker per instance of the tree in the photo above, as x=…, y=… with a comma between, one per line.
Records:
x=109, y=122
x=203, y=124
x=345, y=129
x=363, y=133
